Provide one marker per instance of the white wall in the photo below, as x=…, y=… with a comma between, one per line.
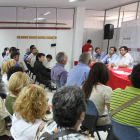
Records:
x=113, y=42
x=64, y=42
x=96, y=35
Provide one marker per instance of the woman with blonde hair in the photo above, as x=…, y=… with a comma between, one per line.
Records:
x=7, y=64
x=29, y=110
x=16, y=83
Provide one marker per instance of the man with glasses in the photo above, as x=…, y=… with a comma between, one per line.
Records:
x=124, y=60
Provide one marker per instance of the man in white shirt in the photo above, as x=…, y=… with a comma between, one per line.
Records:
x=47, y=60
x=33, y=59
x=32, y=47
x=124, y=60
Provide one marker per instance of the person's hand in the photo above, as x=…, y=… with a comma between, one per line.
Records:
x=109, y=56
x=94, y=60
x=113, y=65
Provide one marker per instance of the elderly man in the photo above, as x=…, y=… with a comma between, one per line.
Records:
x=80, y=72
x=58, y=72
x=124, y=60
x=26, y=54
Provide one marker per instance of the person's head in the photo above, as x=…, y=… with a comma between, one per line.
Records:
x=6, y=65
x=135, y=76
x=123, y=50
x=112, y=50
x=99, y=73
x=85, y=58
x=90, y=50
x=12, y=49
x=62, y=58
x=40, y=57
x=13, y=70
x=27, y=51
x=31, y=103
x=6, y=49
x=98, y=50
x=3, y=54
x=32, y=47
x=17, y=82
x=49, y=57
x=68, y=106
x=35, y=52
x=15, y=56
x=89, y=41
x=18, y=51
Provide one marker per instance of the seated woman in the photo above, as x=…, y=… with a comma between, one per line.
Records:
x=13, y=70
x=29, y=110
x=68, y=106
x=7, y=64
x=96, y=90
x=16, y=83
x=3, y=115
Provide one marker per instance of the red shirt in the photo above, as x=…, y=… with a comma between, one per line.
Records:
x=86, y=47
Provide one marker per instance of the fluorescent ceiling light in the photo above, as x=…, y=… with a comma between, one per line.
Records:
x=39, y=18
x=47, y=13
x=77, y=0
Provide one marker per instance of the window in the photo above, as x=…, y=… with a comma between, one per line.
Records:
x=94, y=19
x=65, y=16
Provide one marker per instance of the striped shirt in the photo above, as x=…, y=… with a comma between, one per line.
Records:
x=131, y=114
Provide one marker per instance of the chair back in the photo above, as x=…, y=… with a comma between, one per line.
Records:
x=124, y=132
x=91, y=116
x=58, y=84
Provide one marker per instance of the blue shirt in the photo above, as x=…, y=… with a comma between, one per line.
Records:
x=78, y=74
x=113, y=58
x=25, y=56
x=58, y=73
x=100, y=57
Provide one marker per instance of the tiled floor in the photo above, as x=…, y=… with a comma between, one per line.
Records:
x=49, y=95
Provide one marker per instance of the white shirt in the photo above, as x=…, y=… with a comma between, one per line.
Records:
x=101, y=95
x=33, y=59
x=125, y=60
x=4, y=78
x=45, y=63
x=22, y=130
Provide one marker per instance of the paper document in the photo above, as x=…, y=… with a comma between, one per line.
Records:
x=122, y=72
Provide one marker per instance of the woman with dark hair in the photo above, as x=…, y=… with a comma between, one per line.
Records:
x=96, y=90
x=69, y=107
x=13, y=70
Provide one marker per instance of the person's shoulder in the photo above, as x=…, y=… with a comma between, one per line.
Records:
x=104, y=88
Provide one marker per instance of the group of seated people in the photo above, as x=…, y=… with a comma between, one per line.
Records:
x=26, y=103
x=124, y=60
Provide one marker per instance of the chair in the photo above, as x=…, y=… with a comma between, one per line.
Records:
x=123, y=131
x=58, y=84
x=90, y=120
x=3, y=95
x=39, y=79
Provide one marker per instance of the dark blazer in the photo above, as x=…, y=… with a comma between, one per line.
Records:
x=45, y=72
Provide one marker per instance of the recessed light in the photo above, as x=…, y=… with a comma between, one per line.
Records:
x=77, y=0
x=39, y=18
x=47, y=13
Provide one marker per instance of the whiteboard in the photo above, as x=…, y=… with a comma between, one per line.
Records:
x=130, y=37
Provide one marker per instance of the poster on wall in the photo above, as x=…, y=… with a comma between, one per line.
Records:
x=130, y=37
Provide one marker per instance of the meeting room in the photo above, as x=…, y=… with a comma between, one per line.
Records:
x=70, y=70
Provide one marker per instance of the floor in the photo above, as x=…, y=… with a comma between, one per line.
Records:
x=49, y=95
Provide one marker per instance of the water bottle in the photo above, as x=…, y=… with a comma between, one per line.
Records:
x=109, y=63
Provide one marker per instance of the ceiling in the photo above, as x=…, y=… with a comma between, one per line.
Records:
x=92, y=4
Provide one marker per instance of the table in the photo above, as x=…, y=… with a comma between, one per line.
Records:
x=117, y=80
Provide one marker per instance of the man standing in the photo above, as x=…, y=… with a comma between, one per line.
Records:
x=87, y=46
x=99, y=55
x=124, y=60
x=79, y=73
x=58, y=72
x=111, y=57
